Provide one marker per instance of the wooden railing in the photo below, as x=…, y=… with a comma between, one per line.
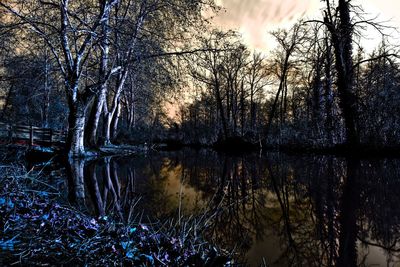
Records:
x=32, y=135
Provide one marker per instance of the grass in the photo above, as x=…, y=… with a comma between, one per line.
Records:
x=37, y=229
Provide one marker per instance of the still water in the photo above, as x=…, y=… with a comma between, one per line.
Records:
x=278, y=209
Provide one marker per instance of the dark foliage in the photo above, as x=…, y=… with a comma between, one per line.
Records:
x=35, y=229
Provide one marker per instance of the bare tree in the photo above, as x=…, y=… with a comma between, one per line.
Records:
x=209, y=67
x=341, y=29
x=71, y=43
x=257, y=79
x=289, y=42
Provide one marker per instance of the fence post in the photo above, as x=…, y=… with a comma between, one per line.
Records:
x=31, y=136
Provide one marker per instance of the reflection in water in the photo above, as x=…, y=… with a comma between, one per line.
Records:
x=350, y=203
x=76, y=188
x=283, y=210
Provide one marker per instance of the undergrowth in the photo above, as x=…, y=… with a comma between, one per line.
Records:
x=37, y=229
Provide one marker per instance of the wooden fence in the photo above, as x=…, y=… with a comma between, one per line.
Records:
x=31, y=135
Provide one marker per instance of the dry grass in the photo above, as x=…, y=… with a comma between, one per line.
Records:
x=36, y=229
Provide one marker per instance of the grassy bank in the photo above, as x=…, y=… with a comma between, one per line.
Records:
x=38, y=229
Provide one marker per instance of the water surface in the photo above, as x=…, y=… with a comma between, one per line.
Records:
x=279, y=209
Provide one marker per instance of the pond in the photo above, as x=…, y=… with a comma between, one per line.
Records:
x=276, y=209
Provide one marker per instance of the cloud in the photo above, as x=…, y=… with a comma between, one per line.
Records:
x=263, y=10
x=255, y=18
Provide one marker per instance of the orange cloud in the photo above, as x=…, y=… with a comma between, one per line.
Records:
x=255, y=18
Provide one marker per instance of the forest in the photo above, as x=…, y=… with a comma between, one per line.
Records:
x=153, y=76
x=111, y=71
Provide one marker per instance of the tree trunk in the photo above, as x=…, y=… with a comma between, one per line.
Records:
x=94, y=117
x=252, y=110
x=342, y=42
x=115, y=121
x=242, y=117
x=234, y=104
x=328, y=94
x=132, y=115
x=228, y=103
x=109, y=114
x=281, y=87
x=107, y=129
x=46, y=103
x=316, y=98
x=76, y=129
x=221, y=109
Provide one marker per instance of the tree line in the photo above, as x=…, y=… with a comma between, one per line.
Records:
x=319, y=87
x=91, y=58
x=103, y=69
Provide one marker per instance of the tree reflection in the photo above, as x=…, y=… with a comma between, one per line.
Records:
x=350, y=203
x=93, y=189
x=95, y=185
x=290, y=210
x=76, y=185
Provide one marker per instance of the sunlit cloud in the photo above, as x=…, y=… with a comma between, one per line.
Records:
x=254, y=19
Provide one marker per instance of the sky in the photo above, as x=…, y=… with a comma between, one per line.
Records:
x=254, y=19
